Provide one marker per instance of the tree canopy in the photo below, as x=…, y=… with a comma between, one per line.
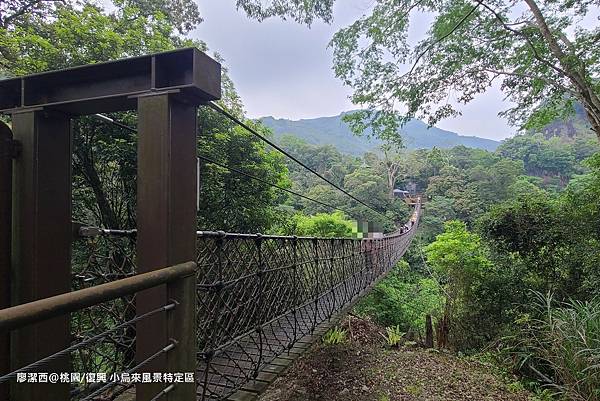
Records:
x=539, y=52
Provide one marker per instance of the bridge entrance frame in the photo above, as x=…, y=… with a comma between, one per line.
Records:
x=165, y=89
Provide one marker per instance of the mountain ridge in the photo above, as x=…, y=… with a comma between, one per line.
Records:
x=332, y=130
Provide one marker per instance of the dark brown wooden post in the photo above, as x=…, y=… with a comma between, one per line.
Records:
x=166, y=214
x=428, y=332
x=181, y=326
x=166, y=88
x=6, y=156
x=41, y=241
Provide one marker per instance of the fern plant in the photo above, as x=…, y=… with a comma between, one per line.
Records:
x=393, y=335
x=334, y=335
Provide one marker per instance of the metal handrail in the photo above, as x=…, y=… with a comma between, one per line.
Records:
x=33, y=312
x=89, y=231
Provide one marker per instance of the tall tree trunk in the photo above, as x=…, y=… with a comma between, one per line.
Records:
x=594, y=121
x=574, y=71
x=428, y=332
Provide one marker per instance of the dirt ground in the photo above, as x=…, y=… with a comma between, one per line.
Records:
x=365, y=368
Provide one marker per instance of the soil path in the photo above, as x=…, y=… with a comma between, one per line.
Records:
x=365, y=369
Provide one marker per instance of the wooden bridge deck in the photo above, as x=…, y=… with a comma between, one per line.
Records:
x=228, y=370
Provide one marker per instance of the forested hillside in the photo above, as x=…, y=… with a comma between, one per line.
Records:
x=507, y=248
x=335, y=131
x=506, y=260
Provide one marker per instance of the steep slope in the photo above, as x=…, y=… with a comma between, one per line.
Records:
x=334, y=131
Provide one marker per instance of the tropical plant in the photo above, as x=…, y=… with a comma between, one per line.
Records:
x=335, y=335
x=393, y=335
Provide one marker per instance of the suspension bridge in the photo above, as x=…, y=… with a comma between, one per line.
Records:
x=161, y=311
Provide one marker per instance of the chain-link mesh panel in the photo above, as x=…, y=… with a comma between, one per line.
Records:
x=259, y=295
x=97, y=260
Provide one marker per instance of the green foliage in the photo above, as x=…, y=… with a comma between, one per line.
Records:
x=457, y=256
x=477, y=293
x=62, y=34
x=322, y=225
x=335, y=335
x=66, y=34
x=557, y=156
x=559, y=344
x=403, y=299
x=415, y=390
x=534, y=231
x=541, y=54
x=305, y=11
x=230, y=201
x=364, y=178
x=393, y=335
x=526, y=225
x=439, y=210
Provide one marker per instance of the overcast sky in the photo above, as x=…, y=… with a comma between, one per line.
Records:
x=283, y=69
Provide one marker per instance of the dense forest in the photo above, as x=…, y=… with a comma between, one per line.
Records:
x=507, y=251
x=508, y=248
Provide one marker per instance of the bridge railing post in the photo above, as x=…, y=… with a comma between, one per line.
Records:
x=41, y=241
x=181, y=330
x=332, y=283
x=260, y=273
x=166, y=213
x=296, y=291
x=316, y=283
x=6, y=156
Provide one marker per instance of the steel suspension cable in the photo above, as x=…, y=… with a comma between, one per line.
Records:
x=290, y=156
x=233, y=169
x=81, y=344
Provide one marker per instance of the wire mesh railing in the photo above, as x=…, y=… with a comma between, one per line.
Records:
x=101, y=257
x=255, y=297
x=258, y=295
x=96, y=364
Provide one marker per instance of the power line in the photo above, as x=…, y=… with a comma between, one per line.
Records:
x=271, y=143
x=233, y=169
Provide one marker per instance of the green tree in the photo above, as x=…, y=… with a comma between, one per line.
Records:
x=438, y=210
x=542, y=157
x=461, y=263
x=457, y=255
x=40, y=35
x=403, y=298
x=230, y=201
x=334, y=224
x=538, y=50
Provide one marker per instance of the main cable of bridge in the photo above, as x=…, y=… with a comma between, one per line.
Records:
x=236, y=120
x=233, y=169
x=237, y=171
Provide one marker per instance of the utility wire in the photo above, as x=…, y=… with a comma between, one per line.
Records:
x=233, y=169
x=271, y=143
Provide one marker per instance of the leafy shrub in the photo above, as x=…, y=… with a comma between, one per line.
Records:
x=403, y=299
x=319, y=225
x=335, y=335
